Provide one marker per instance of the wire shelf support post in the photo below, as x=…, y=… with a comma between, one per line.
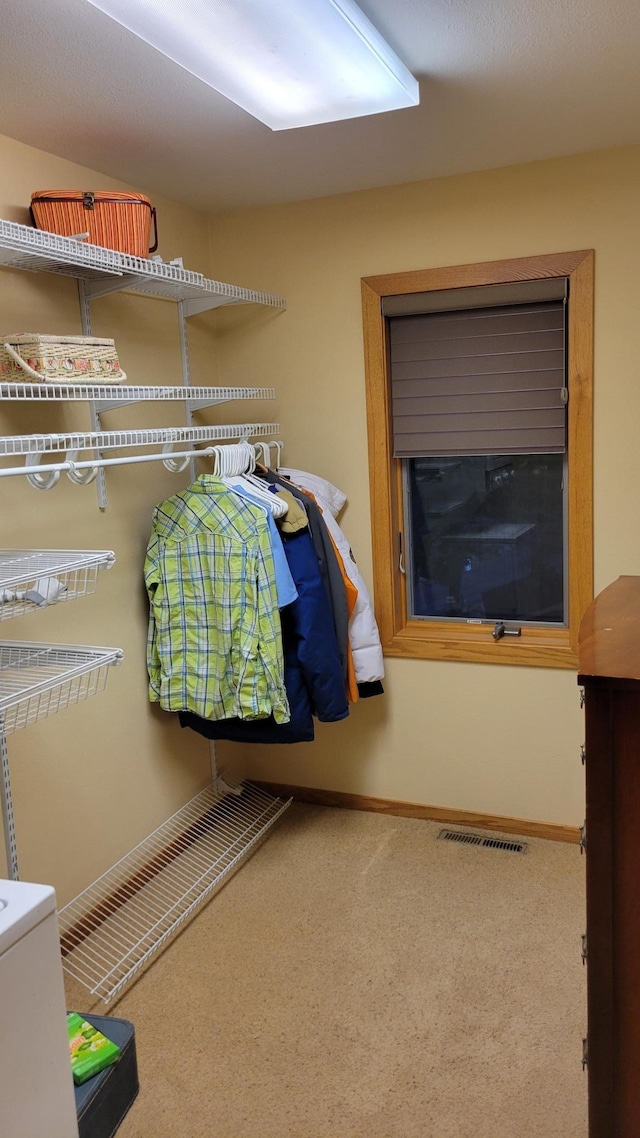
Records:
x=186, y=374
x=85, y=319
x=10, y=844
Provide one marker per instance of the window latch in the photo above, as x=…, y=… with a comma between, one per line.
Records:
x=501, y=630
x=401, y=565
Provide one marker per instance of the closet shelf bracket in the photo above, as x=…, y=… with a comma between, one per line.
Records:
x=94, y=289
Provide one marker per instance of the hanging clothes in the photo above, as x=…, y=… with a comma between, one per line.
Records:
x=285, y=586
x=295, y=518
x=313, y=668
x=327, y=561
x=364, y=636
x=332, y=498
x=311, y=625
x=215, y=641
x=351, y=594
x=300, y=727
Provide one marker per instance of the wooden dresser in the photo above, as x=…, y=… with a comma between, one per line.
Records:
x=609, y=671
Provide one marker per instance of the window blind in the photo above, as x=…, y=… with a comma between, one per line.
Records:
x=479, y=380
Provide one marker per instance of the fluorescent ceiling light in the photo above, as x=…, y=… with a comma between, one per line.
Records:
x=288, y=63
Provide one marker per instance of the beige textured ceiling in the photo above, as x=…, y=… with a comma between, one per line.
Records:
x=501, y=81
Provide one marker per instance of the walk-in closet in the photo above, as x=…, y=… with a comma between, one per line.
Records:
x=319, y=577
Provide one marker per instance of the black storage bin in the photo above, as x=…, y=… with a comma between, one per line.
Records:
x=103, y=1101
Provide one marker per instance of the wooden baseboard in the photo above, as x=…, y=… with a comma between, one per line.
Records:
x=391, y=806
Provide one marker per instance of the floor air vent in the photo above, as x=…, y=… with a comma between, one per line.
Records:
x=466, y=839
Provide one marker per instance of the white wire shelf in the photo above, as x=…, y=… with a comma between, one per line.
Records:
x=122, y=394
x=37, y=578
x=114, y=928
x=37, y=680
x=105, y=270
x=148, y=436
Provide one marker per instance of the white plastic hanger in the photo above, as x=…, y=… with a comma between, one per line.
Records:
x=259, y=485
x=234, y=464
x=278, y=444
x=265, y=448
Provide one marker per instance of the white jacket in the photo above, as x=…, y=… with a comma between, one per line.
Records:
x=364, y=637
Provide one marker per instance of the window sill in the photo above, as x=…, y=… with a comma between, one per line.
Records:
x=535, y=648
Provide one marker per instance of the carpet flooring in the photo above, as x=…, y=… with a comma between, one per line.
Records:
x=359, y=978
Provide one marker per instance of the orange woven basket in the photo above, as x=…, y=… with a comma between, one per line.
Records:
x=113, y=220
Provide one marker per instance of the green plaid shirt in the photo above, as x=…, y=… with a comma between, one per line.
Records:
x=214, y=644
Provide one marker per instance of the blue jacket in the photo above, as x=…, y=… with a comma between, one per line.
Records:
x=312, y=670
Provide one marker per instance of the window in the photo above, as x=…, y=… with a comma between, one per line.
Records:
x=479, y=389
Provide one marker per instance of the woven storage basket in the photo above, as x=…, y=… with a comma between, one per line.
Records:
x=59, y=359
x=113, y=220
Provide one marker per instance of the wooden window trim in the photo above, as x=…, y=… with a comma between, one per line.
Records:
x=444, y=640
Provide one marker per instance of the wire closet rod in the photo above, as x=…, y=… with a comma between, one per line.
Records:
x=92, y=465
x=70, y=465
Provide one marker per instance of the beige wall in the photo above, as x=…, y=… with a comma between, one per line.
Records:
x=476, y=737
x=92, y=781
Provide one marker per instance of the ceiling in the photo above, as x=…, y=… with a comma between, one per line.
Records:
x=501, y=81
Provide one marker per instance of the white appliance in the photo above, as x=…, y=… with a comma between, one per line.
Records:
x=36, y=1085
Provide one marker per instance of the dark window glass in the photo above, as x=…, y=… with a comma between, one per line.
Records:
x=486, y=538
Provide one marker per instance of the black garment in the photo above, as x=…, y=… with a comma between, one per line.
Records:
x=299, y=729
x=369, y=688
x=327, y=561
